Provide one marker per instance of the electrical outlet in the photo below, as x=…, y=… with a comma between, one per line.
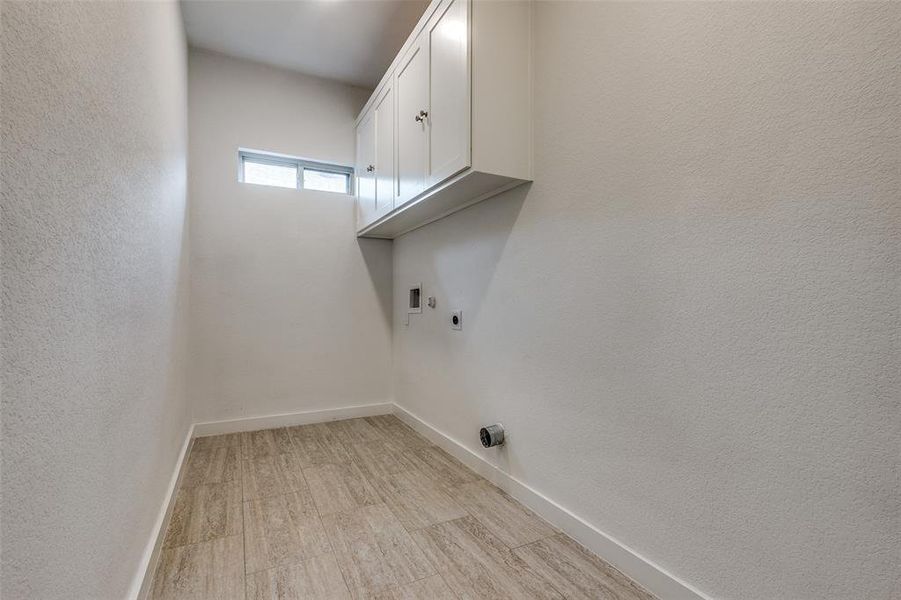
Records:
x=457, y=319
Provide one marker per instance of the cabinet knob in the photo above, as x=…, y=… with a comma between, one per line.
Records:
x=422, y=115
x=370, y=169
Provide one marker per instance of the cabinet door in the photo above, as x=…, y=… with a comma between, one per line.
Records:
x=412, y=89
x=384, y=152
x=449, y=93
x=365, y=170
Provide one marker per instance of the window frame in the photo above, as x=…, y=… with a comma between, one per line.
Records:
x=301, y=164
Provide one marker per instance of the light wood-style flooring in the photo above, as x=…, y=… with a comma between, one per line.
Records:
x=362, y=508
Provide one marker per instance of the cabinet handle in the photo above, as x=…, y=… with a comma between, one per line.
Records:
x=422, y=115
x=370, y=169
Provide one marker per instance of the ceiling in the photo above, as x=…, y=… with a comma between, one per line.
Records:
x=352, y=41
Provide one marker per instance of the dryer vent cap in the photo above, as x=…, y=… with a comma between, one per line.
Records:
x=492, y=435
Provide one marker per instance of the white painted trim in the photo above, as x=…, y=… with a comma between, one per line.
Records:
x=289, y=419
x=140, y=585
x=489, y=194
x=647, y=574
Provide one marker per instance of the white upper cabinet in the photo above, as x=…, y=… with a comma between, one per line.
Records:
x=412, y=82
x=450, y=123
x=365, y=170
x=448, y=114
x=385, y=173
x=375, y=165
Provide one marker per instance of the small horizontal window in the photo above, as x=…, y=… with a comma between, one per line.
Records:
x=325, y=181
x=263, y=173
x=262, y=168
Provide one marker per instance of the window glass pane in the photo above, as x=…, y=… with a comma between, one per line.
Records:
x=267, y=174
x=325, y=181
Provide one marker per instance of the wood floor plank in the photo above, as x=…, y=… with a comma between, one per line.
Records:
x=474, y=563
x=379, y=459
x=417, y=500
x=267, y=442
x=374, y=550
x=504, y=517
x=316, y=579
x=210, y=570
x=318, y=445
x=205, y=512
x=212, y=465
x=216, y=441
x=272, y=475
x=354, y=431
x=281, y=530
x=576, y=573
x=396, y=432
x=440, y=466
x=359, y=557
x=339, y=487
x=403, y=556
x=318, y=430
x=430, y=588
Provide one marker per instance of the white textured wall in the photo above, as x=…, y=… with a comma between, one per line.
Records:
x=689, y=324
x=93, y=251
x=288, y=311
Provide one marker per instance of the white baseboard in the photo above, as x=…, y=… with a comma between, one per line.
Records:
x=290, y=419
x=647, y=574
x=140, y=585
